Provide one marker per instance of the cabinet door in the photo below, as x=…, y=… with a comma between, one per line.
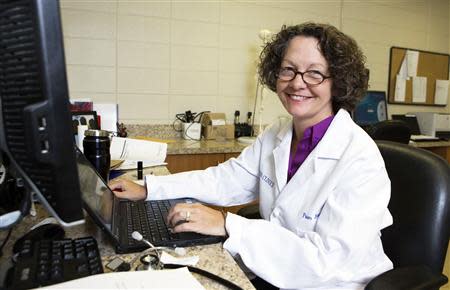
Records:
x=444, y=152
x=231, y=155
x=187, y=162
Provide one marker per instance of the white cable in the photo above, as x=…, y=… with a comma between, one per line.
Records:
x=138, y=237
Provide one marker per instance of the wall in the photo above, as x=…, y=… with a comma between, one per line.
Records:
x=159, y=58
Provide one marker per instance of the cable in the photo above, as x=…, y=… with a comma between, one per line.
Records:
x=254, y=108
x=173, y=125
x=138, y=237
x=206, y=274
x=191, y=119
x=5, y=241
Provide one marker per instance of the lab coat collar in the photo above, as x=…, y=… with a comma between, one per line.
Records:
x=333, y=142
x=281, y=154
x=336, y=139
x=331, y=146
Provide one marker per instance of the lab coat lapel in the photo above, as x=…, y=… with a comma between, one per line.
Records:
x=281, y=155
x=331, y=147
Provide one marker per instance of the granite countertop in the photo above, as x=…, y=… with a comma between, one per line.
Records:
x=213, y=258
x=177, y=145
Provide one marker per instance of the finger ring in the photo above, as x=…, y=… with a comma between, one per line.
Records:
x=188, y=216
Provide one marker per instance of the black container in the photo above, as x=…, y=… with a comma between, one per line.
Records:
x=96, y=144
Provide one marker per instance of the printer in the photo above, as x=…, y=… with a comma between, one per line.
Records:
x=434, y=124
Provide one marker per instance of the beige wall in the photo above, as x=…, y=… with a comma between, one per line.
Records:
x=159, y=58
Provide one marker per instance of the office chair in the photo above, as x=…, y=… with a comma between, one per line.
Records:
x=420, y=204
x=417, y=241
x=390, y=130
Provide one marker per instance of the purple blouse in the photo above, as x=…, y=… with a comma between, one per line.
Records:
x=310, y=139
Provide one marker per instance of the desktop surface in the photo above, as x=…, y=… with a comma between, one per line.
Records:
x=213, y=258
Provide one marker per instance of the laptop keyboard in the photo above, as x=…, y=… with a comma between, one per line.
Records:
x=47, y=262
x=149, y=219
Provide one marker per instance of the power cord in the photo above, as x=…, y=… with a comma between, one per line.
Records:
x=190, y=118
x=206, y=274
x=138, y=237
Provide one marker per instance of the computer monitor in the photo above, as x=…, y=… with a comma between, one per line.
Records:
x=35, y=120
x=371, y=109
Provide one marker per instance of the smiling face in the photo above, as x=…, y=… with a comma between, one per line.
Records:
x=308, y=104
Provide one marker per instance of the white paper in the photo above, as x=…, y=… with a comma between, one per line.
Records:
x=441, y=92
x=132, y=164
x=218, y=122
x=419, y=87
x=400, y=89
x=403, y=72
x=108, y=115
x=412, y=59
x=162, y=279
x=133, y=150
x=166, y=258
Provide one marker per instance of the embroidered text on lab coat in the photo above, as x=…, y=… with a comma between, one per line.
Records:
x=267, y=180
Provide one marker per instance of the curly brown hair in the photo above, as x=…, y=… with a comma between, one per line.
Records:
x=345, y=60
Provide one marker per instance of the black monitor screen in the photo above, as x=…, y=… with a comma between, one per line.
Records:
x=35, y=121
x=371, y=109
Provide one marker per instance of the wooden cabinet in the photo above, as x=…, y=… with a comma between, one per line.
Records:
x=444, y=152
x=187, y=162
x=441, y=148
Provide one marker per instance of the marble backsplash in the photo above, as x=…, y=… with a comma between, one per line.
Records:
x=154, y=131
x=159, y=131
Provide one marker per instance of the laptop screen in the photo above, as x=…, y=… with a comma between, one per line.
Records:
x=98, y=198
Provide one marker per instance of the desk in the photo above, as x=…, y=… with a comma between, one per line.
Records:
x=441, y=148
x=213, y=258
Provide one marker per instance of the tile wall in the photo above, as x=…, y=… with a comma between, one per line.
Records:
x=159, y=58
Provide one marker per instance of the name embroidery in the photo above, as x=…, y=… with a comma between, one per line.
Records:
x=267, y=180
x=308, y=217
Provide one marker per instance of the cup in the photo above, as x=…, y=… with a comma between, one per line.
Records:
x=96, y=144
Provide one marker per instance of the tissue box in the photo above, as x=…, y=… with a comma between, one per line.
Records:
x=214, y=126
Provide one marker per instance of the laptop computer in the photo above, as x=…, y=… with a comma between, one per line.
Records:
x=413, y=124
x=118, y=218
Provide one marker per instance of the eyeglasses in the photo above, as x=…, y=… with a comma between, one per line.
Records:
x=310, y=77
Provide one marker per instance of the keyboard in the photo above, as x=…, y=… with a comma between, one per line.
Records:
x=149, y=219
x=48, y=262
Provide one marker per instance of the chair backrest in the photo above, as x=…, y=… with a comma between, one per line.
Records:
x=420, y=206
x=391, y=130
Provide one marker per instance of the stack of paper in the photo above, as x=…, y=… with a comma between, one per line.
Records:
x=164, y=279
x=131, y=151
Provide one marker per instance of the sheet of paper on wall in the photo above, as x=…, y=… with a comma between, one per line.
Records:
x=134, y=150
x=108, y=113
x=419, y=87
x=412, y=60
x=162, y=279
x=441, y=92
x=400, y=89
x=403, y=72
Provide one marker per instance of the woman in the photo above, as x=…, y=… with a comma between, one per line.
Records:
x=321, y=182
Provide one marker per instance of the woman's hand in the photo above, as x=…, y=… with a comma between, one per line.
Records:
x=195, y=217
x=128, y=189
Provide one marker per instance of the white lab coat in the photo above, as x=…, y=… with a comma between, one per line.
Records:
x=322, y=229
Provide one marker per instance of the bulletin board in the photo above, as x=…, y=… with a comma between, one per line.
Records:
x=432, y=65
